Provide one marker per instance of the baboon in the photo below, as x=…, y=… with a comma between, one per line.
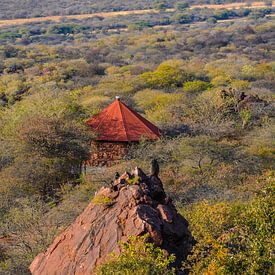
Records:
x=242, y=96
x=154, y=168
x=223, y=94
x=117, y=175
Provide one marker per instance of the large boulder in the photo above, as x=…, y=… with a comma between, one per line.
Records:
x=134, y=205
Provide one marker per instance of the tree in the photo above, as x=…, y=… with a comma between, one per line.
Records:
x=169, y=74
x=204, y=153
x=51, y=154
x=47, y=144
x=183, y=18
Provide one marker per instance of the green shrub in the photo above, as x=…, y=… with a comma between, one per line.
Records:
x=138, y=257
x=47, y=143
x=195, y=86
x=246, y=116
x=182, y=5
x=133, y=181
x=169, y=74
x=240, y=84
x=233, y=238
x=102, y=200
x=157, y=104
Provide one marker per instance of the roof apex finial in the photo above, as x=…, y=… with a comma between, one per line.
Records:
x=117, y=97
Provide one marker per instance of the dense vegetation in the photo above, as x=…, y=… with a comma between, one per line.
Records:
x=97, y=27
x=217, y=156
x=30, y=8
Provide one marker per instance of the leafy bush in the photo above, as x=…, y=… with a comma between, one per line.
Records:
x=30, y=233
x=101, y=200
x=182, y=5
x=240, y=84
x=169, y=74
x=157, y=104
x=182, y=18
x=233, y=238
x=33, y=224
x=45, y=150
x=263, y=150
x=208, y=113
x=138, y=257
x=195, y=86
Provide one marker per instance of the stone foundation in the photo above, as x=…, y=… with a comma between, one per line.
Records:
x=107, y=153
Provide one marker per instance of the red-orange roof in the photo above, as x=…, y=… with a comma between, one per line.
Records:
x=118, y=122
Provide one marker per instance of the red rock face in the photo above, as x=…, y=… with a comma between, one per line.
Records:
x=117, y=212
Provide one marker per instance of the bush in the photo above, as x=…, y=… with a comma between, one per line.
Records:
x=138, y=257
x=208, y=113
x=220, y=81
x=195, y=86
x=158, y=105
x=240, y=84
x=233, y=238
x=169, y=74
x=182, y=18
x=101, y=200
x=47, y=144
x=30, y=233
x=182, y=5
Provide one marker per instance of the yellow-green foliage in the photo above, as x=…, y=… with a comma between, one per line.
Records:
x=227, y=67
x=208, y=221
x=92, y=101
x=138, y=257
x=169, y=74
x=157, y=104
x=13, y=85
x=100, y=199
x=261, y=70
x=246, y=116
x=209, y=113
x=195, y=86
x=133, y=181
x=50, y=104
x=261, y=143
x=119, y=81
x=224, y=71
x=240, y=84
x=233, y=238
x=220, y=80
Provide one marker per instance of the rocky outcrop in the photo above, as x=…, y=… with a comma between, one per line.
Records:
x=251, y=101
x=242, y=100
x=134, y=205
